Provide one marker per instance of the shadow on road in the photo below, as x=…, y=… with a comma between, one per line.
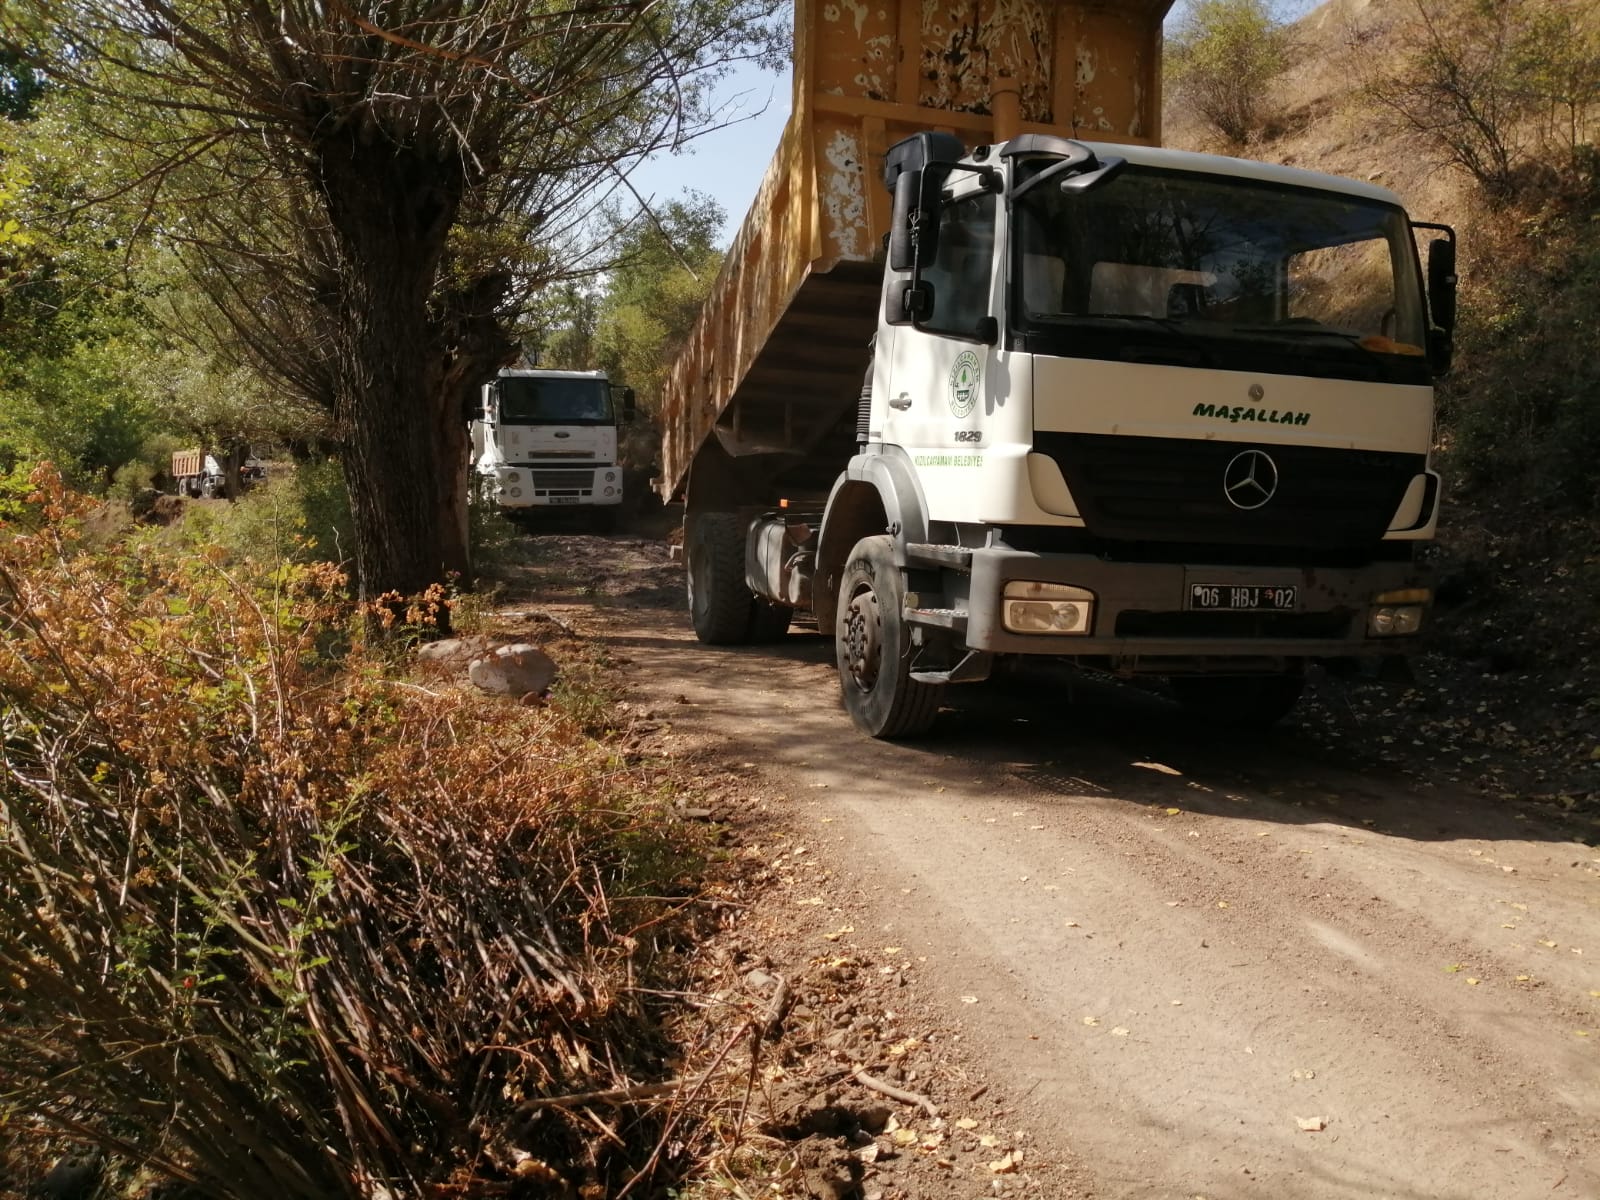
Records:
x=1070, y=737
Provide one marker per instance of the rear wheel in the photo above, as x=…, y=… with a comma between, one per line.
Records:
x=872, y=644
x=1241, y=701
x=719, y=600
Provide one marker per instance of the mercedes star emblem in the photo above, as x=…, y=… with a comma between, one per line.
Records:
x=1250, y=480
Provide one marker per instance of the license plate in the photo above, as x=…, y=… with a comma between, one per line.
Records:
x=564, y=499
x=1236, y=597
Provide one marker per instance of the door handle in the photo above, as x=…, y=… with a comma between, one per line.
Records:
x=901, y=402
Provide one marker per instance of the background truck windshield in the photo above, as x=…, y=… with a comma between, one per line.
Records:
x=554, y=401
x=1219, y=258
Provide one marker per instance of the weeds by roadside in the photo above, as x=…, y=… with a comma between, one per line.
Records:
x=276, y=922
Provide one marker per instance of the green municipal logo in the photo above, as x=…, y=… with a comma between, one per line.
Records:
x=964, y=379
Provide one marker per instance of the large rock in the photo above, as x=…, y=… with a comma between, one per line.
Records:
x=449, y=655
x=515, y=670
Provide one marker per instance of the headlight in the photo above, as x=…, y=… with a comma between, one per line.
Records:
x=1046, y=608
x=611, y=476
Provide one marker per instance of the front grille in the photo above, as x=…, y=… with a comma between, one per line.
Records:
x=1334, y=624
x=1171, y=490
x=563, y=481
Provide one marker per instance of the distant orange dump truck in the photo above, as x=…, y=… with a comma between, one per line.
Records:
x=1142, y=410
x=197, y=473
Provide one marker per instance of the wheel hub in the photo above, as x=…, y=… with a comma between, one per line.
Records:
x=863, y=636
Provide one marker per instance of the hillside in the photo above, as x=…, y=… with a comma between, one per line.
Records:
x=1508, y=695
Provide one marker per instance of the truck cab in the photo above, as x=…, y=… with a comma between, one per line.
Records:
x=1150, y=411
x=548, y=439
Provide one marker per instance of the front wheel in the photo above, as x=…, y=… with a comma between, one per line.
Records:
x=872, y=644
x=1241, y=701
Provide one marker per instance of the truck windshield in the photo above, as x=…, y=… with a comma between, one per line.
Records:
x=526, y=401
x=1240, y=274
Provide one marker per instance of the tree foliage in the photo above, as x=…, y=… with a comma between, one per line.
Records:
x=1507, y=90
x=1221, y=60
x=368, y=193
x=653, y=295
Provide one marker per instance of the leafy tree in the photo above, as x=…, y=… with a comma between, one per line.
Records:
x=1221, y=59
x=1504, y=89
x=653, y=295
x=369, y=192
x=20, y=86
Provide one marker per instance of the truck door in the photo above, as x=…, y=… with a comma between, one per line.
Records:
x=936, y=377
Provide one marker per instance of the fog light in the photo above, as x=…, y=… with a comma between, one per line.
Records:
x=1046, y=608
x=1394, y=620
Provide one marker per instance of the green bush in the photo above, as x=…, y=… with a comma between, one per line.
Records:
x=1522, y=415
x=299, y=514
x=1221, y=60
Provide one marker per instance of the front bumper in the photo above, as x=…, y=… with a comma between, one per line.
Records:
x=549, y=487
x=1141, y=609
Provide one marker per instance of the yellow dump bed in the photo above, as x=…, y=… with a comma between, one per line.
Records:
x=775, y=362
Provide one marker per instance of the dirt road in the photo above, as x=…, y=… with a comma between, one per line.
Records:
x=1207, y=964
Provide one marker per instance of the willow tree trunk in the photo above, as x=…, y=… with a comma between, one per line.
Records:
x=391, y=209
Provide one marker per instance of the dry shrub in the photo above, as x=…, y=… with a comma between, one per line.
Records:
x=279, y=925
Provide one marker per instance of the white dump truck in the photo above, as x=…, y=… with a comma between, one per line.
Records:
x=548, y=439
x=1152, y=412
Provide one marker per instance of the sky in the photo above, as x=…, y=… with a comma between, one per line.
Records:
x=728, y=164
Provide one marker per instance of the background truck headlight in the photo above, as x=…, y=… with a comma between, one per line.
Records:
x=1047, y=608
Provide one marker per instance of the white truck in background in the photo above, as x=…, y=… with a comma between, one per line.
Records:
x=545, y=440
x=1144, y=411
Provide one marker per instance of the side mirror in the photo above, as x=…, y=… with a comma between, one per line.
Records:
x=1442, y=283
x=914, y=234
x=902, y=250
x=630, y=405
x=1108, y=170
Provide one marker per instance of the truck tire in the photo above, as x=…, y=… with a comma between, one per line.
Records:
x=872, y=645
x=719, y=600
x=768, y=622
x=1238, y=701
